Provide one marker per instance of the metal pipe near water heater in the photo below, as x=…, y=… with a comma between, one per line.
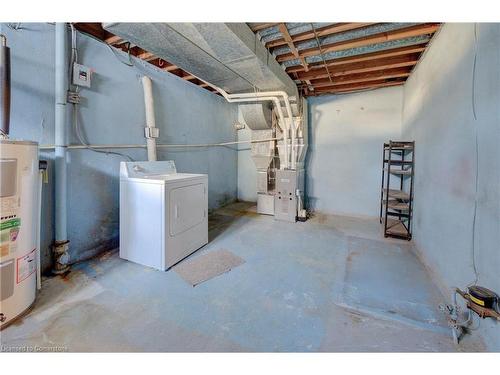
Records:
x=61, y=144
x=5, y=86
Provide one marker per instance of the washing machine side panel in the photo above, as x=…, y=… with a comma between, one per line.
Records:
x=186, y=227
x=141, y=223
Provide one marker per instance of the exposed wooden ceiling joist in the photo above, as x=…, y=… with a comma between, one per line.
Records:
x=418, y=48
x=169, y=67
x=358, y=86
x=113, y=40
x=284, y=31
x=322, y=31
x=361, y=67
x=403, y=33
x=146, y=56
x=384, y=68
x=363, y=77
x=93, y=28
x=262, y=26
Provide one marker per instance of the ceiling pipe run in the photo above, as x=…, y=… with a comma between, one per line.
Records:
x=290, y=161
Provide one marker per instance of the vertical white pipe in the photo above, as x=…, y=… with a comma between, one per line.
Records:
x=289, y=125
x=150, y=116
x=293, y=132
x=61, y=87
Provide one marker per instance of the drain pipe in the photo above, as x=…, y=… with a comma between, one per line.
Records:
x=151, y=132
x=61, y=245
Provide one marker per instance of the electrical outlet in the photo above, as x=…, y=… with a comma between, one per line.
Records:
x=81, y=75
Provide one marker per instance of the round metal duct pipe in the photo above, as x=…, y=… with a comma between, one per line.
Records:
x=257, y=116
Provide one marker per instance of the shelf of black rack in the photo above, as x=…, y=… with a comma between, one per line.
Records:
x=396, y=194
x=396, y=205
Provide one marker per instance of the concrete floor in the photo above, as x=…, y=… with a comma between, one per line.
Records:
x=330, y=284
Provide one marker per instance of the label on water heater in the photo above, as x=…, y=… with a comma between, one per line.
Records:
x=9, y=231
x=25, y=266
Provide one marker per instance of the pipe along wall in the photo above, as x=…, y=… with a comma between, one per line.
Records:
x=112, y=111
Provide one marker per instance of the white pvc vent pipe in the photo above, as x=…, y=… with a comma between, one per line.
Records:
x=271, y=96
x=151, y=131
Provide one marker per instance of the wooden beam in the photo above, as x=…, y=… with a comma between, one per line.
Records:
x=322, y=31
x=360, y=67
x=358, y=86
x=170, y=68
x=284, y=31
x=178, y=72
x=93, y=28
x=286, y=36
x=364, y=77
x=114, y=39
x=262, y=26
x=146, y=56
x=418, y=48
x=427, y=28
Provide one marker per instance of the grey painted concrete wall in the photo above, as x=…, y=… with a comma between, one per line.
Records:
x=343, y=164
x=453, y=149
x=112, y=112
x=344, y=160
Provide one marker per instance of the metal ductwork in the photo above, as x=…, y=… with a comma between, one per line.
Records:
x=227, y=55
x=5, y=86
x=256, y=115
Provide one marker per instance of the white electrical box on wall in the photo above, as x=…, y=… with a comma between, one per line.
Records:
x=81, y=75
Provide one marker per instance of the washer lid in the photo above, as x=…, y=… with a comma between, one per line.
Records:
x=173, y=177
x=147, y=169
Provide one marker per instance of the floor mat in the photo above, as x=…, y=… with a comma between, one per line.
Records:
x=205, y=267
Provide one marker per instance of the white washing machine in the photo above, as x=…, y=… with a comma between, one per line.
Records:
x=163, y=214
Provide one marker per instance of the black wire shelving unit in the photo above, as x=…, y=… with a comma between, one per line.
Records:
x=396, y=194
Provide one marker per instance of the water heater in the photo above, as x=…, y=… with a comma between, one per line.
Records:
x=18, y=227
